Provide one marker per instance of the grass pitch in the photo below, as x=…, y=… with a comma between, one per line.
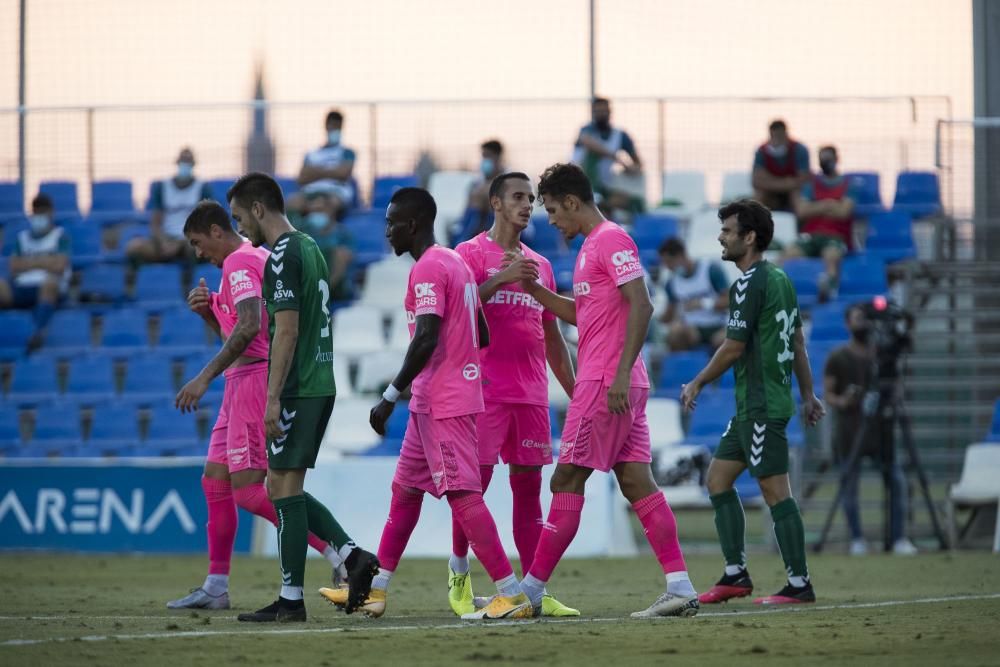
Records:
x=103, y=610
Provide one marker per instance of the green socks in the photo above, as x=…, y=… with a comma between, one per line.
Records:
x=293, y=535
x=791, y=537
x=322, y=523
x=730, y=524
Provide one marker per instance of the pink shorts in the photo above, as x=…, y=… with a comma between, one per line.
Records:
x=517, y=433
x=238, y=437
x=439, y=455
x=594, y=438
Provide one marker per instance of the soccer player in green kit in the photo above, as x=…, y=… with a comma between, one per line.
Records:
x=764, y=340
x=300, y=393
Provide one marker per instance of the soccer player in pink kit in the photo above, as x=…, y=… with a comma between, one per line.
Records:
x=237, y=460
x=438, y=456
x=515, y=425
x=606, y=426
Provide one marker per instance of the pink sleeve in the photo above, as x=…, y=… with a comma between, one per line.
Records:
x=241, y=277
x=429, y=280
x=620, y=257
x=472, y=259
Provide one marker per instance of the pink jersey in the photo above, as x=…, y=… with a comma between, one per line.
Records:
x=607, y=260
x=449, y=385
x=242, y=278
x=514, y=361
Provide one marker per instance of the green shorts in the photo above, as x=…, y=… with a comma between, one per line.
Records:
x=761, y=444
x=813, y=245
x=304, y=422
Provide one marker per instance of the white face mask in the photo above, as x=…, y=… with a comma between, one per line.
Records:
x=39, y=223
x=185, y=170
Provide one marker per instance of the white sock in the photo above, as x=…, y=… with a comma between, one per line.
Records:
x=332, y=556
x=216, y=584
x=798, y=582
x=459, y=564
x=534, y=589
x=381, y=580
x=291, y=592
x=733, y=570
x=508, y=586
x=346, y=550
x=678, y=583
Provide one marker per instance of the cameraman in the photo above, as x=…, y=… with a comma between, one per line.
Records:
x=850, y=383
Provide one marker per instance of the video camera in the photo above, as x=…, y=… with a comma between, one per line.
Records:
x=891, y=328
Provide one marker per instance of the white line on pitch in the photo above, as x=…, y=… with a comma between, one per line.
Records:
x=450, y=626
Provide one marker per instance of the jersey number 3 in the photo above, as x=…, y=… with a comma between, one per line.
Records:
x=787, y=321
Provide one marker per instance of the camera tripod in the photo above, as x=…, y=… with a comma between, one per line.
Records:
x=876, y=402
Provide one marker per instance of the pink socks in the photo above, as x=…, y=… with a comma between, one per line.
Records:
x=477, y=522
x=527, y=489
x=253, y=498
x=557, y=533
x=459, y=543
x=222, y=522
x=404, y=511
x=660, y=527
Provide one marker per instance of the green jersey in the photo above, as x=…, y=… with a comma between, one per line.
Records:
x=764, y=314
x=296, y=278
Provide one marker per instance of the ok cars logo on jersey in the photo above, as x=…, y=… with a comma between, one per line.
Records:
x=625, y=262
x=470, y=372
x=425, y=294
x=736, y=321
x=240, y=281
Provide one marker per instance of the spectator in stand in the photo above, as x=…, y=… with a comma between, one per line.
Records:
x=825, y=206
x=171, y=201
x=326, y=180
x=780, y=168
x=599, y=147
x=698, y=299
x=478, y=212
x=40, y=267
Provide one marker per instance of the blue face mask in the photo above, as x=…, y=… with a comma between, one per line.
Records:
x=185, y=170
x=333, y=137
x=39, y=223
x=317, y=221
x=487, y=166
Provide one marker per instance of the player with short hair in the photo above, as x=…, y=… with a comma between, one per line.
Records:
x=237, y=453
x=515, y=426
x=300, y=393
x=606, y=427
x=764, y=340
x=438, y=456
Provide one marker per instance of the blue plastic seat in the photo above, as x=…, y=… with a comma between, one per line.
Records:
x=85, y=245
x=219, y=187
x=68, y=333
x=114, y=430
x=367, y=231
x=819, y=351
x=193, y=365
x=182, y=333
x=211, y=273
x=710, y=417
x=158, y=287
x=562, y=271
x=866, y=189
x=149, y=379
x=544, y=238
x=11, y=201
x=650, y=230
x=862, y=276
x=994, y=434
x=103, y=282
x=385, y=186
x=890, y=237
x=57, y=429
x=91, y=380
x=12, y=229
x=679, y=368
x=16, y=327
x=10, y=428
x=34, y=381
x=917, y=193
x=63, y=195
x=804, y=273
x=112, y=203
x=126, y=330
x=170, y=432
x=828, y=323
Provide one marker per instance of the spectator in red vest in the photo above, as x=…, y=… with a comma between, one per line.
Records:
x=780, y=168
x=825, y=207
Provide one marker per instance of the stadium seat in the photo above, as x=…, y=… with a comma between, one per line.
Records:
x=649, y=231
x=735, y=185
x=399, y=332
x=367, y=232
x=289, y=185
x=357, y=331
x=158, y=287
x=977, y=488
x=85, y=245
x=103, y=282
x=193, y=365
x=562, y=270
x=219, y=187
x=542, y=237
x=711, y=417
x=679, y=368
x=861, y=277
x=211, y=273
x=34, y=381
x=348, y=430
x=385, y=186
x=994, y=434
x=450, y=190
x=664, y=416
x=68, y=334
x=149, y=379
x=182, y=333
x=170, y=432
x=557, y=395
x=11, y=201
x=890, y=237
x=786, y=228
x=917, y=193
x=385, y=283
x=804, y=272
x=828, y=323
x=702, y=240
x=57, y=430
x=114, y=431
x=125, y=330
x=63, y=195
x=342, y=377
x=683, y=193
x=10, y=429
x=377, y=370
x=12, y=228
x=91, y=380
x=111, y=203
x=16, y=327
x=865, y=185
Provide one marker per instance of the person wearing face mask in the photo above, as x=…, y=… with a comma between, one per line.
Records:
x=325, y=178
x=478, y=209
x=608, y=156
x=825, y=206
x=847, y=378
x=39, y=268
x=780, y=168
x=170, y=202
